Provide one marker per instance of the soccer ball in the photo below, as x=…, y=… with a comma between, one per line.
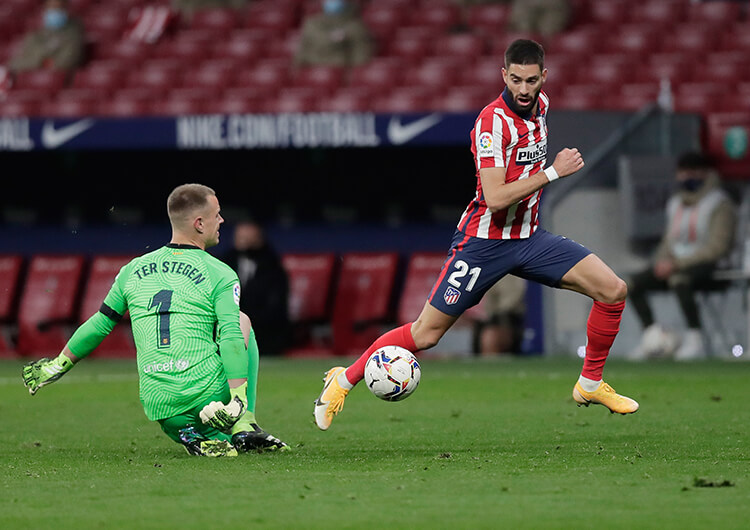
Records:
x=392, y=373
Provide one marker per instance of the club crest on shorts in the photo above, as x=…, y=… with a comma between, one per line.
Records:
x=451, y=295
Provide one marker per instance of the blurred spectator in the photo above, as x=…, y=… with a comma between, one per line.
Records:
x=265, y=286
x=188, y=7
x=335, y=37
x=701, y=220
x=58, y=44
x=500, y=330
x=543, y=17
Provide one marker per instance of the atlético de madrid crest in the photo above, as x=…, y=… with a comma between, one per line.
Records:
x=451, y=295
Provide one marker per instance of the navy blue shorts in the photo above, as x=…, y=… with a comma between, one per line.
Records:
x=474, y=265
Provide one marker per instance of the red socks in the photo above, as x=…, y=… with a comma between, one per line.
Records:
x=601, y=330
x=400, y=336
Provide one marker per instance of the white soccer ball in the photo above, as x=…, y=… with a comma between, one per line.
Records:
x=392, y=373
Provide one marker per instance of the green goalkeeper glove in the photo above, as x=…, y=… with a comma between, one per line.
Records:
x=44, y=371
x=223, y=417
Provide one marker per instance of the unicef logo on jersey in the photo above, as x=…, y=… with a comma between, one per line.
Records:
x=180, y=365
x=532, y=154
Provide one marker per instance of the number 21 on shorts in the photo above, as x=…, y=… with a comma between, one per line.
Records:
x=457, y=279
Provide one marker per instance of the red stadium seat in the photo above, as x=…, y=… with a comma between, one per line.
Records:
x=161, y=76
x=294, y=100
x=18, y=108
x=269, y=75
x=218, y=20
x=633, y=39
x=100, y=75
x=101, y=275
x=310, y=287
x=244, y=52
x=695, y=38
x=421, y=272
x=435, y=72
x=577, y=41
x=409, y=99
x=347, y=99
x=723, y=13
x=382, y=20
x=214, y=75
x=440, y=16
x=191, y=51
x=666, y=12
x=488, y=19
x=609, y=12
x=410, y=48
x=234, y=104
x=44, y=81
x=127, y=52
x=579, y=97
x=362, y=303
x=466, y=46
x=672, y=66
x=381, y=73
x=71, y=107
x=727, y=133
x=11, y=267
x=126, y=105
x=632, y=97
x=49, y=304
x=278, y=18
x=179, y=106
x=736, y=37
x=486, y=72
x=463, y=99
x=325, y=78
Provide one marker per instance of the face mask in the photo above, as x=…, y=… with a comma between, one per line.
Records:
x=333, y=7
x=55, y=18
x=691, y=184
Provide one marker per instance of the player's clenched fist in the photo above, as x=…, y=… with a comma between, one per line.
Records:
x=222, y=417
x=568, y=161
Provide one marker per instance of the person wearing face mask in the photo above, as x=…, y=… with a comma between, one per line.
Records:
x=700, y=227
x=58, y=44
x=265, y=286
x=335, y=37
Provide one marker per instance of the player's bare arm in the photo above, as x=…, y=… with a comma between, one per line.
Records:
x=500, y=195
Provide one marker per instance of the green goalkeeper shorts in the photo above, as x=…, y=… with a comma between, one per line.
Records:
x=173, y=425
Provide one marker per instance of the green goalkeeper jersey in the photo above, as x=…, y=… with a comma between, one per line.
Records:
x=184, y=308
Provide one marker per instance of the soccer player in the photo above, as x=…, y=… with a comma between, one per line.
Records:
x=197, y=372
x=499, y=234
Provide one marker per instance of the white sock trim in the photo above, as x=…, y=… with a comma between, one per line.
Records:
x=589, y=385
x=343, y=381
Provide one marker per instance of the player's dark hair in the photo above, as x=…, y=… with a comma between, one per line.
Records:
x=186, y=198
x=524, y=51
x=694, y=160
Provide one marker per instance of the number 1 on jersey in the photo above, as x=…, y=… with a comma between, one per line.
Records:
x=162, y=301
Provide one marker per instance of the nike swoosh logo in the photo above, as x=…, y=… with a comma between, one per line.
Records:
x=53, y=138
x=318, y=402
x=400, y=134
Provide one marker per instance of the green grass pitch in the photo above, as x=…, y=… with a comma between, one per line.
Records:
x=481, y=444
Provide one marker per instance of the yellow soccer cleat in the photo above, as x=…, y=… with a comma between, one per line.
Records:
x=331, y=399
x=605, y=395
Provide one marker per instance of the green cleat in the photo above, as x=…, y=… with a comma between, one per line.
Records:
x=198, y=445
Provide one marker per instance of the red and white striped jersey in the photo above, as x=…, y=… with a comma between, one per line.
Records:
x=502, y=138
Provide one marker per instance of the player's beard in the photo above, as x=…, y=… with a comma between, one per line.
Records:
x=526, y=108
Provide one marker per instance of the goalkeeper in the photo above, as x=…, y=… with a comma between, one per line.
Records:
x=197, y=373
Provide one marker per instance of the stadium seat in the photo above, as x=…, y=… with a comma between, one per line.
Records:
x=632, y=96
x=234, y=105
x=325, y=78
x=43, y=81
x=18, y=108
x=640, y=39
x=466, y=46
x=609, y=12
x=179, y=106
x=190, y=51
x=347, y=99
x=409, y=99
x=125, y=105
x=579, y=97
x=293, y=100
x=11, y=268
x=362, y=304
x=211, y=74
x=665, y=12
x=440, y=16
x=435, y=72
x=422, y=270
x=724, y=13
x=382, y=20
x=218, y=20
x=70, y=107
x=463, y=99
x=410, y=48
x=265, y=74
x=381, y=73
x=486, y=72
x=126, y=52
x=694, y=37
x=672, y=66
x=49, y=303
x=488, y=19
x=279, y=18
x=160, y=76
x=311, y=278
x=244, y=52
x=100, y=75
x=100, y=277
